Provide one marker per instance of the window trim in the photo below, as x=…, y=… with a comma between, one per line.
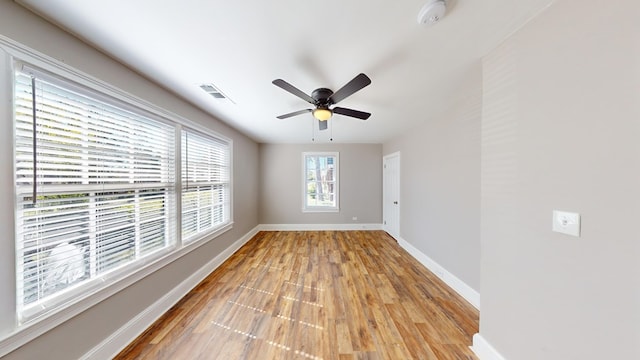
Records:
x=26, y=312
x=33, y=312
x=14, y=334
x=320, y=209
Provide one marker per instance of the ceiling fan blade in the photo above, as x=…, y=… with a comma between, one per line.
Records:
x=299, y=112
x=357, y=83
x=294, y=90
x=350, y=112
x=323, y=124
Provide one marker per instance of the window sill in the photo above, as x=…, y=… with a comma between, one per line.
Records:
x=320, y=210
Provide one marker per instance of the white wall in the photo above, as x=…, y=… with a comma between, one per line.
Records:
x=440, y=183
x=561, y=130
x=81, y=333
x=360, y=184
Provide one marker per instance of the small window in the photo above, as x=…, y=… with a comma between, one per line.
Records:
x=320, y=181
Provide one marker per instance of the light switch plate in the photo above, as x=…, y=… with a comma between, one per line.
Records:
x=566, y=223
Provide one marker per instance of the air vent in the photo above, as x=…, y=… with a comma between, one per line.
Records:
x=213, y=91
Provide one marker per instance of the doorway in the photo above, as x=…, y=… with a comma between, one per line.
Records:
x=391, y=194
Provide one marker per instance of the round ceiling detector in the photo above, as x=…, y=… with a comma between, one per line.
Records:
x=432, y=12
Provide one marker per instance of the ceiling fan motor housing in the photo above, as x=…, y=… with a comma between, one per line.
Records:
x=322, y=96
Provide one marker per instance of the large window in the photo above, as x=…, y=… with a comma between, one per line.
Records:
x=320, y=181
x=97, y=190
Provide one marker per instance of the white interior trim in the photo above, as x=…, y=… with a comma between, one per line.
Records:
x=112, y=345
x=464, y=290
x=336, y=166
x=484, y=350
x=319, y=227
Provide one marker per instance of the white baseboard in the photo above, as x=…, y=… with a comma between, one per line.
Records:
x=464, y=290
x=484, y=350
x=112, y=345
x=318, y=227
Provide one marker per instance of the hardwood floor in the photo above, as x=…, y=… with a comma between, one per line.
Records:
x=315, y=295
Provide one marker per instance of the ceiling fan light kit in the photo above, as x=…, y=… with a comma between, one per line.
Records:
x=322, y=114
x=432, y=12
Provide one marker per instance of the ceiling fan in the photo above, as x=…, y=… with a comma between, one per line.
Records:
x=323, y=98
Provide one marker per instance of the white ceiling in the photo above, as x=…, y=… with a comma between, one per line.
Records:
x=241, y=46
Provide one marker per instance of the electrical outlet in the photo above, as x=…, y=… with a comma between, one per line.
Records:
x=355, y=218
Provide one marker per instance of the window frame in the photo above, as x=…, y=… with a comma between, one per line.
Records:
x=94, y=203
x=85, y=296
x=306, y=207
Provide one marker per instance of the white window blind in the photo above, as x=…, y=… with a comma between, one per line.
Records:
x=320, y=181
x=205, y=184
x=95, y=187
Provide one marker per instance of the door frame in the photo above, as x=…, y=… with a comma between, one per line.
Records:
x=385, y=158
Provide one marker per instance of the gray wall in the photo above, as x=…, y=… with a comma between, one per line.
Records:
x=440, y=183
x=281, y=184
x=78, y=335
x=561, y=130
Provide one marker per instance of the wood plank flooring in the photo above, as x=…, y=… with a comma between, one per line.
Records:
x=339, y=295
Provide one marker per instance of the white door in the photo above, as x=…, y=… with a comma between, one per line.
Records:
x=391, y=194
